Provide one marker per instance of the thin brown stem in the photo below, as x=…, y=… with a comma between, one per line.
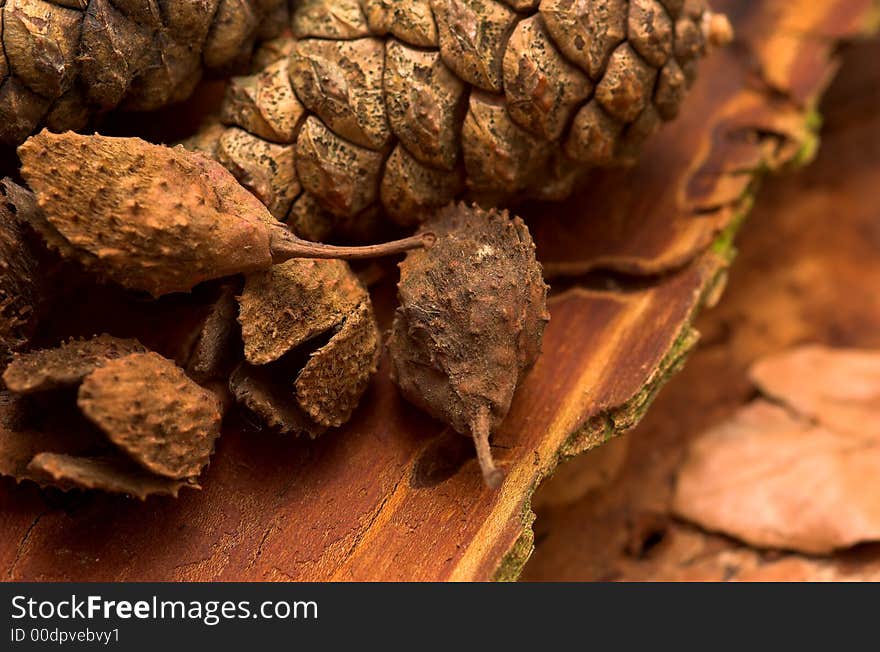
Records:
x=480, y=430
x=285, y=245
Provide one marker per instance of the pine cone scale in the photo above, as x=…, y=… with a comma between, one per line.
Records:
x=409, y=104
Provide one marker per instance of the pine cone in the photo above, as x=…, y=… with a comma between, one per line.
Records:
x=408, y=104
x=65, y=60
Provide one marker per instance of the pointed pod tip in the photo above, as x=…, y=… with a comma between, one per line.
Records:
x=493, y=477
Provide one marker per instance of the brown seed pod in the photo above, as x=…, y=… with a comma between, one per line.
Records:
x=65, y=366
x=113, y=474
x=292, y=386
x=266, y=393
x=21, y=291
x=27, y=429
x=148, y=407
x=159, y=219
x=408, y=104
x=470, y=322
x=63, y=61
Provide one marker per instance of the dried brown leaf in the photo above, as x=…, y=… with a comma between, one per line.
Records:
x=839, y=388
x=776, y=480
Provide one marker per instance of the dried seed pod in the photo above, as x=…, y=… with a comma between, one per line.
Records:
x=28, y=428
x=66, y=365
x=140, y=402
x=470, y=322
x=113, y=474
x=282, y=312
x=148, y=407
x=266, y=393
x=294, y=302
x=160, y=219
x=21, y=294
x=96, y=55
x=332, y=382
x=584, y=81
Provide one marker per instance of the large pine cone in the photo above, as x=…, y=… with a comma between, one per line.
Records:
x=408, y=104
x=65, y=60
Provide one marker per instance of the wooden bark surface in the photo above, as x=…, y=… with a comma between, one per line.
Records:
x=820, y=288
x=395, y=495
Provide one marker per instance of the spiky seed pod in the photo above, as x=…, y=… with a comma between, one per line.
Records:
x=63, y=61
x=294, y=384
x=148, y=407
x=159, y=219
x=66, y=365
x=470, y=322
x=412, y=103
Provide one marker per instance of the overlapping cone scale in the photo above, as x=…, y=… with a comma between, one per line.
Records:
x=409, y=104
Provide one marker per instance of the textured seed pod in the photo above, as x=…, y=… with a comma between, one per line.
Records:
x=64, y=61
x=66, y=365
x=408, y=104
x=470, y=322
x=54, y=446
x=146, y=406
x=311, y=344
x=160, y=220
x=150, y=409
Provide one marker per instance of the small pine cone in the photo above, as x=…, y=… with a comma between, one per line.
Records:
x=66, y=60
x=408, y=104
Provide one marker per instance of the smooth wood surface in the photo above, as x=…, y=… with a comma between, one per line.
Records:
x=394, y=495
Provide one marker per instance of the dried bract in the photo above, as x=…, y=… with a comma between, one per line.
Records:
x=113, y=474
x=148, y=407
x=470, y=322
x=66, y=365
x=20, y=291
x=292, y=386
x=159, y=219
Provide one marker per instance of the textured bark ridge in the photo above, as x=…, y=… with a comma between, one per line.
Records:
x=66, y=60
x=409, y=104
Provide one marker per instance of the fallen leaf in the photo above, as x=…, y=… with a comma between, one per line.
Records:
x=837, y=387
x=803, y=475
